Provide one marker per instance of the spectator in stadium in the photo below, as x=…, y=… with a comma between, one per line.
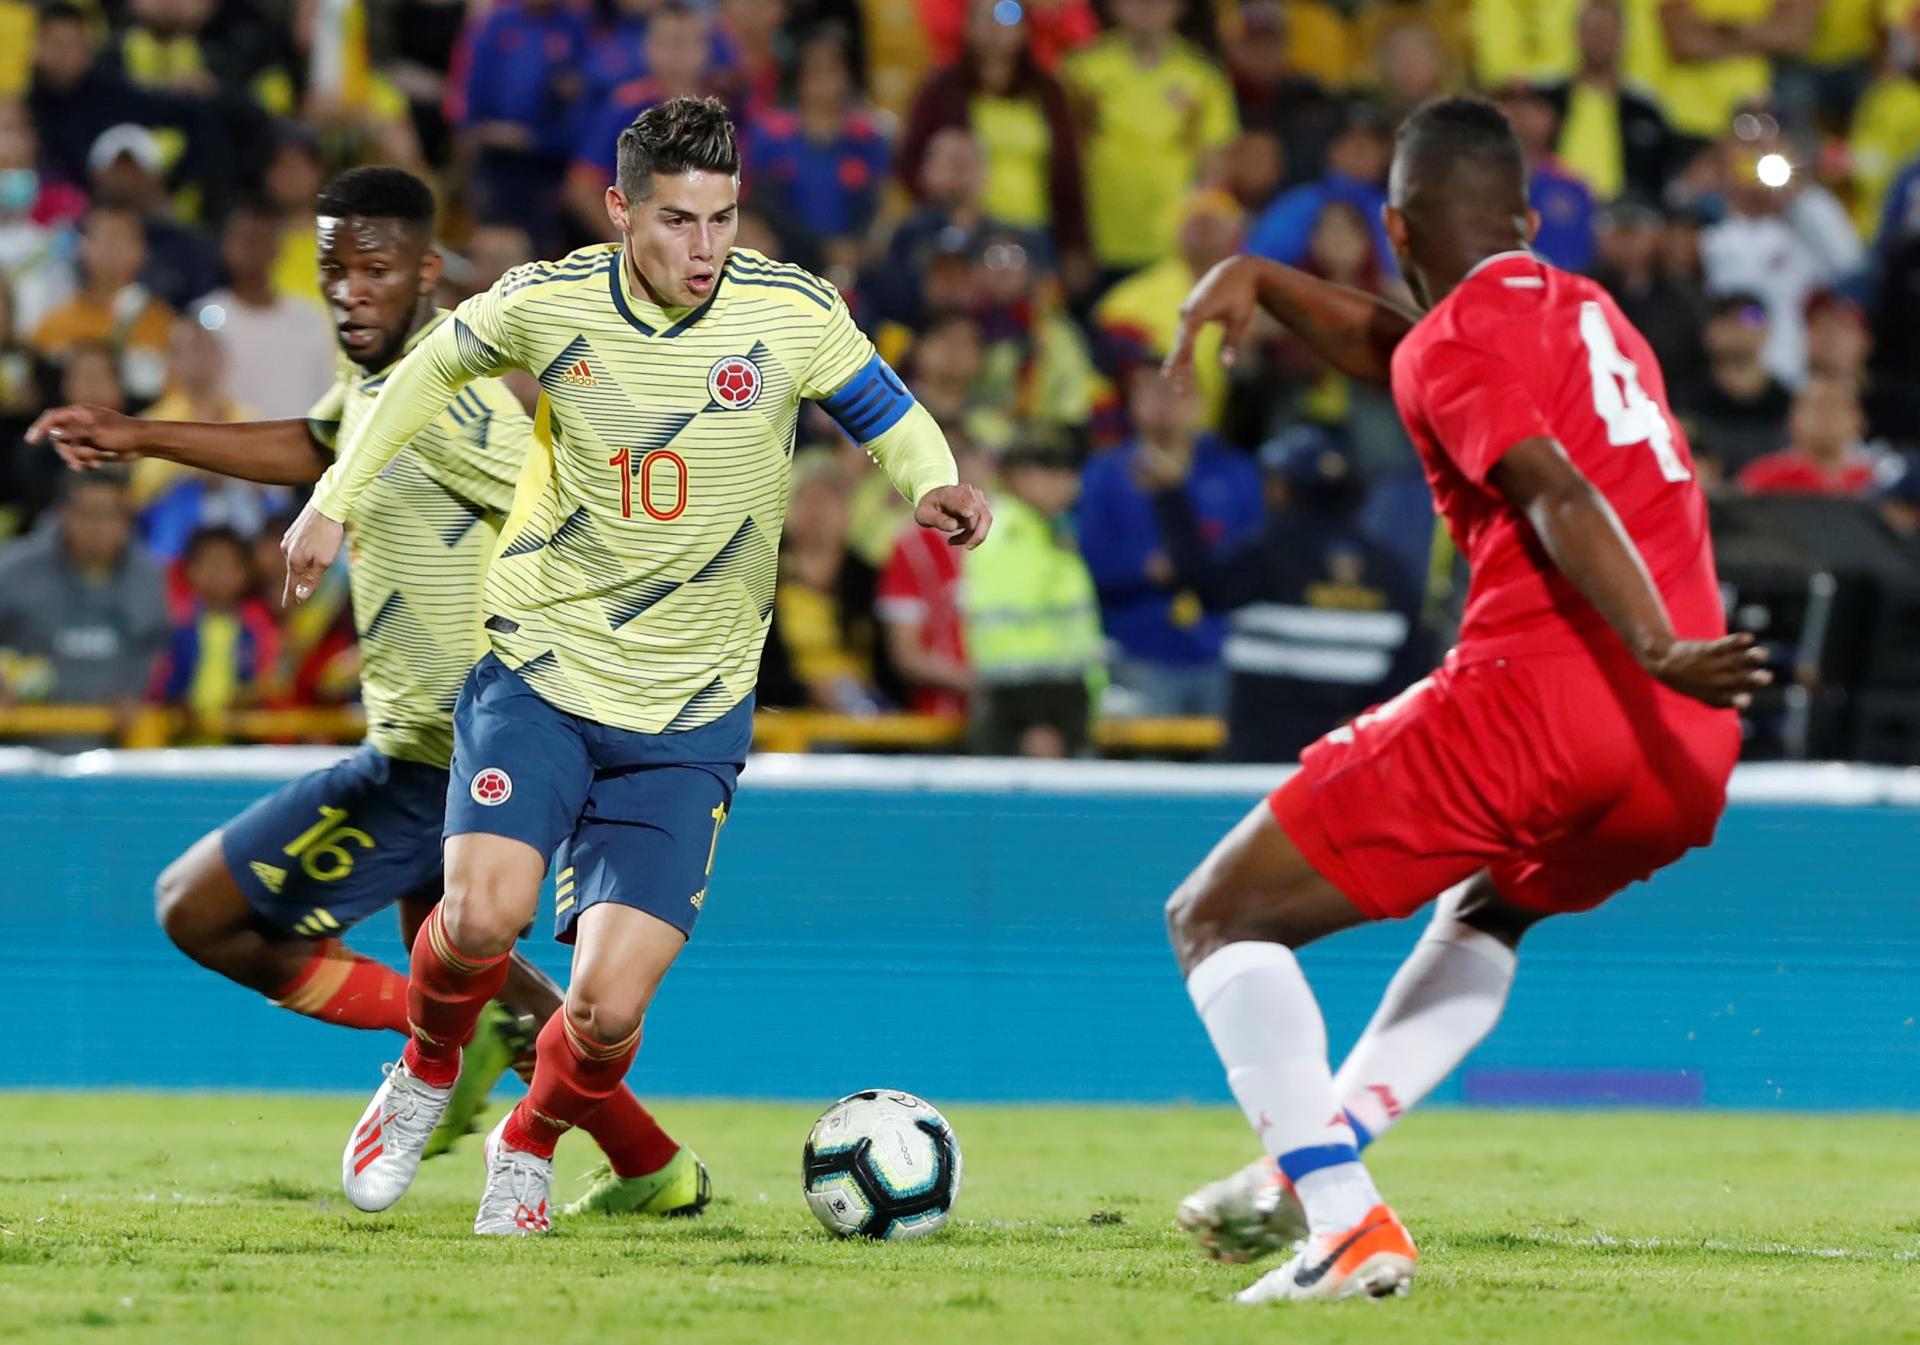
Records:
x=679, y=56
x=1409, y=65
x=1356, y=175
x=1824, y=454
x=20, y=401
x=523, y=80
x=1886, y=124
x=1137, y=319
x=1167, y=656
x=1034, y=361
x=1157, y=114
x=35, y=223
x=88, y=374
x=1894, y=309
x=166, y=45
x=917, y=604
x=1670, y=314
x=1709, y=58
x=943, y=369
x=821, y=647
x=222, y=647
x=752, y=35
x=1252, y=169
x=1291, y=109
x=1780, y=240
x=1521, y=40
x=1610, y=134
x=112, y=305
x=316, y=660
x=1020, y=120
x=1561, y=199
x=76, y=97
x=293, y=177
x=1032, y=617
x=127, y=167
x=1057, y=26
x=280, y=350
x=1839, y=341
x=949, y=214
x=1816, y=94
x=1739, y=413
x=818, y=167
x=173, y=501
x=81, y=601
x=1324, y=617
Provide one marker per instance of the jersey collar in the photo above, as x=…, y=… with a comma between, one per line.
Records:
x=1499, y=259
x=647, y=317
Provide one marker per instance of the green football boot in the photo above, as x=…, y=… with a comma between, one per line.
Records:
x=498, y=1038
x=680, y=1189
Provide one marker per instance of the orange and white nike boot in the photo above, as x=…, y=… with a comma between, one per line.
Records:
x=1375, y=1259
x=1245, y=1216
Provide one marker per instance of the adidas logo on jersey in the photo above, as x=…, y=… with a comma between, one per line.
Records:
x=270, y=877
x=579, y=374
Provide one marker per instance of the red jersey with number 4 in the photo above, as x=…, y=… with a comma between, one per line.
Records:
x=1518, y=351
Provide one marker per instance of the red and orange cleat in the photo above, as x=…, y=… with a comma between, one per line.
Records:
x=1375, y=1258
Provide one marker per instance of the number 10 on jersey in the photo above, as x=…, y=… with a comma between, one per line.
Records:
x=662, y=467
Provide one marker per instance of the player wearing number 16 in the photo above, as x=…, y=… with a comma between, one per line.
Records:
x=626, y=609
x=1578, y=737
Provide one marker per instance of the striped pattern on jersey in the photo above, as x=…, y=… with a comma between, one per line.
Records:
x=635, y=578
x=418, y=550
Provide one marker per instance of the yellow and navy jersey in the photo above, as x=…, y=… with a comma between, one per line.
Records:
x=635, y=577
x=418, y=550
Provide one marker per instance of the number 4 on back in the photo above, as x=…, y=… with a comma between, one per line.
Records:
x=1631, y=417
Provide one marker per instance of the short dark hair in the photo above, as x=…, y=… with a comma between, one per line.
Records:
x=378, y=193
x=62, y=11
x=213, y=534
x=1461, y=132
x=681, y=135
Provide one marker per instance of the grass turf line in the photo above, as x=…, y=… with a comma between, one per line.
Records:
x=192, y=1218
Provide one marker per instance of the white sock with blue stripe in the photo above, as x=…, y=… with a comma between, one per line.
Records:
x=1267, y=1029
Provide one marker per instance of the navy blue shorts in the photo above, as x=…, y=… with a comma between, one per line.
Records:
x=631, y=818
x=334, y=847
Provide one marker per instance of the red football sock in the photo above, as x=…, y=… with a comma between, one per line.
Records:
x=444, y=997
x=629, y=1136
x=337, y=985
x=573, y=1076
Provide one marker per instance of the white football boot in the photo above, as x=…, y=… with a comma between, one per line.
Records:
x=385, y=1148
x=518, y=1183
x=1245, y=1216
x=1373, y=1259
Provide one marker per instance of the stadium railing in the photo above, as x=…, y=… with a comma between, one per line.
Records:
x=774, y=730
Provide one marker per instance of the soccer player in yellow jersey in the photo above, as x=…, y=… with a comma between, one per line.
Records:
x=627, y=608
x=265, y=900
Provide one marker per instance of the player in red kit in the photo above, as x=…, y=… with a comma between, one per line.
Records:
x=1578, y=737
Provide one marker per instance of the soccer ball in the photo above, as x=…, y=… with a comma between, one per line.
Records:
x=881, y=1164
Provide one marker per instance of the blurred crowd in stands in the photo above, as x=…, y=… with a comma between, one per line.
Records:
x=1015, y=196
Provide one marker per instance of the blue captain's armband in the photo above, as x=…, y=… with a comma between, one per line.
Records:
x=870, y=403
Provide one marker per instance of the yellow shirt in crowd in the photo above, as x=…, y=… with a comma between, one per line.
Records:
x=1150, y=128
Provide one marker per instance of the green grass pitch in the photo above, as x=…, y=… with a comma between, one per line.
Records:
x=218, y=1218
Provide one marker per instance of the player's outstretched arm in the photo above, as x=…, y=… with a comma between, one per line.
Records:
x=272, y=452
x=417, y=390
x=1352, y=330
x=1584, y=538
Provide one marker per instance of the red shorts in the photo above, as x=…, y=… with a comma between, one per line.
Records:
x=1567, y=777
